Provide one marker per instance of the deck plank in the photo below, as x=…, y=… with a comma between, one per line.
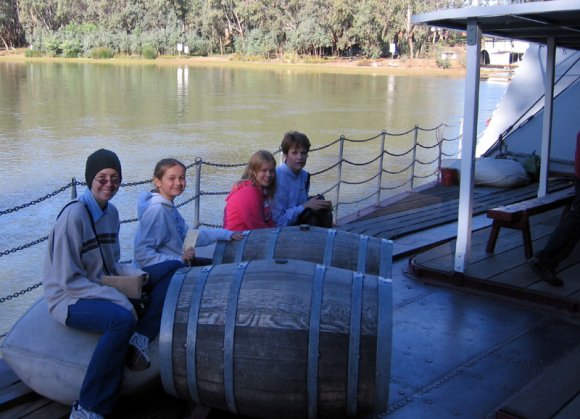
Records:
x=436, y=206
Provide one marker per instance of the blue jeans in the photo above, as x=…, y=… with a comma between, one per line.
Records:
x=159, y=278
x=102, y=381
x=104, y=375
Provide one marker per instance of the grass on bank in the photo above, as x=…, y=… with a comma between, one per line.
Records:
x=382, y=66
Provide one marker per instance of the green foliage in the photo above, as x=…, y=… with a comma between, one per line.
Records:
x=257, y=43
x=443, y=63
x=71, y=48
x=259, y=28
x=51, y=46
x=32, y=53
x=197, y=45
x=149, y=52
x=101, y=53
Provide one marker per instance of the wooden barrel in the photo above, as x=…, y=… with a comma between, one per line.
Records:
x=278, y=339
x=329, y=247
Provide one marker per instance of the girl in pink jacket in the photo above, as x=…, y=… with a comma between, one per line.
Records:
x=248, y=206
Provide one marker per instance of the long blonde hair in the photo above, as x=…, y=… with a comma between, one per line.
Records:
x=259, y=158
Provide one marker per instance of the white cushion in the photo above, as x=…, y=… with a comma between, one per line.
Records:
x=52, y=359
x=503, y=173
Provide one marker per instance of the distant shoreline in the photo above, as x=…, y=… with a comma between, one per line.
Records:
x=382, y=66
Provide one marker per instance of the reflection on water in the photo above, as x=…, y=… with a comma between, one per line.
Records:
x=182, y=87
x=54, y=114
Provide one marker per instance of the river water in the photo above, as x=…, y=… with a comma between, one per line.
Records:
x=52, y=115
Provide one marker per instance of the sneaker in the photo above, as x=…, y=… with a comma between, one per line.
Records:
x=78, y=412
x=544, y=273
x=138, y=353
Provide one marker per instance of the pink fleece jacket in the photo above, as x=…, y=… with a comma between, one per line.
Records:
x=247, y=208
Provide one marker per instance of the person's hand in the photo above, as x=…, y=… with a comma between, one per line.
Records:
x=237, y=235
x=317, y=204
x=188, y=255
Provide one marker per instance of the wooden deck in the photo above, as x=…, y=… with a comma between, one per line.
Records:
x=456, y=351
x=436, y=206
x=506, y=272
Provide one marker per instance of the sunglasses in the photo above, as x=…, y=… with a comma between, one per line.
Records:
x=116, y=181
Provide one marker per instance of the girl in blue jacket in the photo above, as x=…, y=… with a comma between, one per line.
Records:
x=162, y=230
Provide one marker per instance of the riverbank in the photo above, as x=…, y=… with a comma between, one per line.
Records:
x=381, y=66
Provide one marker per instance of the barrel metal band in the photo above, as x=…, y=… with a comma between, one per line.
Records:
x=229, y=334
x=241, y=247
x=166, y=332
x=272, y=248
x=314, y=340
x=386, y=261
x=192, y=322
x=354, y=343
x=329, y=246
x=363, y=244
x=219, y=251
x=384, y=341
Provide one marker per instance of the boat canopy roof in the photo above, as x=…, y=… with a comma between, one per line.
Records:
x=530, y=22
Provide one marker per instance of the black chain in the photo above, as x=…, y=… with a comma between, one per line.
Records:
x=24, y=246
x=19, y=293
x=36, y=201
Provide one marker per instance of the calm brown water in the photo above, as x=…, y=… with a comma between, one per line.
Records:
x=52, y=115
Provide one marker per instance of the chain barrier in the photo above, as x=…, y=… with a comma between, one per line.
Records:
x=428, y=162
x=366, y=163
x=325, y=146
x=327, y=169
x=37, y=201
x=404, y=169
x=432, y=129
x=388, y=153
x=348, y=140
x=360, y=200
x=391, y=188
x=425, y=176
x=198, y=162
x=19, y=293
x=345, y=182
x=24, y=246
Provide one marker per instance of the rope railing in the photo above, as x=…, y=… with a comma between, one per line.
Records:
x=378, y=180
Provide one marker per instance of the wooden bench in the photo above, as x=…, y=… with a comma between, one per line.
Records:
x=517, y=216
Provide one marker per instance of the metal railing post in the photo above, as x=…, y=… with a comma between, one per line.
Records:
x=197, y=191
x=416, y=135
x=339, y=173
x=381, y=162
x=73, y=191
x=439, y=140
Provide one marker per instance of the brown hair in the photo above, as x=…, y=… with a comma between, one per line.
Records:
x=162, y=166
x=255, y=164
x=294, y=139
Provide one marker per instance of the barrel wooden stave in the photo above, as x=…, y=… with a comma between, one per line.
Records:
x=302, y=244
x=271, y=340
